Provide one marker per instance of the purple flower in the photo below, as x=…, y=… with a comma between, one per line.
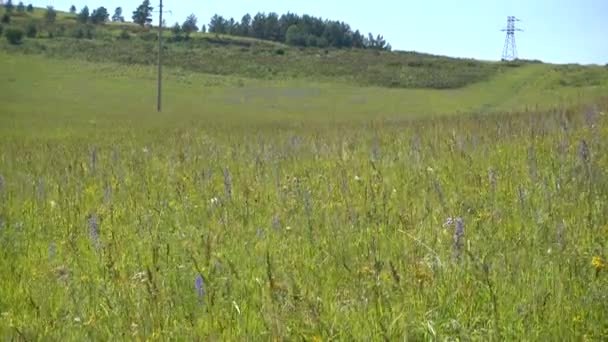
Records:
x=458, y=237
x=52, y=250
x=199, y=285
x=276, y=223
x=94, y=230
x=583, y=152
x=458, y=224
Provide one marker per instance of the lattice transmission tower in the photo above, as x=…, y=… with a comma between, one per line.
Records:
x=509, y=52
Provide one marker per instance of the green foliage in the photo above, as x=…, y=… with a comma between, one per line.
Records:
x=124, y=34
x=50, y=15
x=6, y=18
x=1, y=30
x=73, y=9
x=83, y=32
x=20, y=7
x=14, y=35
x=31, y=31
x=30, y=8
x=99, y=16
x=305, y=31
x=83, y=16
x=143, y=14
x=295, y=37
x=256, y=59
x=117, y=17
x=189, y=24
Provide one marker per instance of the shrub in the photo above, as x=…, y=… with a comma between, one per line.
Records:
x=124, y=34
x=6, y=18
x=2, y=29
x=31, y=31
x=14, y=36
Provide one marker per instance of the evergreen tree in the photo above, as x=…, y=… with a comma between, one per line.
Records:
x=143, y=14
x=117, y=17
x=83, y=16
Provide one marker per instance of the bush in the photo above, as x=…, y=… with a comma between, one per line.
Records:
x=124, y=34
x=2, y=29
x=14, y=36
x=31, y=31
x=6, y=18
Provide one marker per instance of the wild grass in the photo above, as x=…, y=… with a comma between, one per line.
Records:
x=238, y=220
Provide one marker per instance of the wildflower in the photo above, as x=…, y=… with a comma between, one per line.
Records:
x=583, y=151
x=598, y=263
x=227, y=183
x=260, y=233
x=40, y=189
x=214, y=201
x=53, y=204
x=493, y=179
x=458, y=236
x=358, y=179
x=52, y=250
x=199, y=285
x=458, y=224
x=276, y=223
x=449, y=222
x=94, y=230
x=139, y=277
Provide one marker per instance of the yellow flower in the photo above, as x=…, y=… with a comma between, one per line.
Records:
x=598, y=263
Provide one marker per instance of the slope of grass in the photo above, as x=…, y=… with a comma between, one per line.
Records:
x=303, y=216
x=112, y=92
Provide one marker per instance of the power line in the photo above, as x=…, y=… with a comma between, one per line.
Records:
x=509, y=52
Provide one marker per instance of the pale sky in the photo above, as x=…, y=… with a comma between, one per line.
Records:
x=559, y=31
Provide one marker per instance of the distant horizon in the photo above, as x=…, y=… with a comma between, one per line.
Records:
x=557, y=32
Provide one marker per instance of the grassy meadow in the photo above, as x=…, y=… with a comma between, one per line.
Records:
x=300, y=208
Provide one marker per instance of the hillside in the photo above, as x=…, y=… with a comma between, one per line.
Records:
x=247, y=58
x=127, y=43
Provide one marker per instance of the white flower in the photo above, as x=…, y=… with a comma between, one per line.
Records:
x=214, y=201
x=358, y=179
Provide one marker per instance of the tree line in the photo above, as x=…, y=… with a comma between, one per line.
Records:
x=293, y=29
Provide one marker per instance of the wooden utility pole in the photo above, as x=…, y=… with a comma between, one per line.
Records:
x=160, y=57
